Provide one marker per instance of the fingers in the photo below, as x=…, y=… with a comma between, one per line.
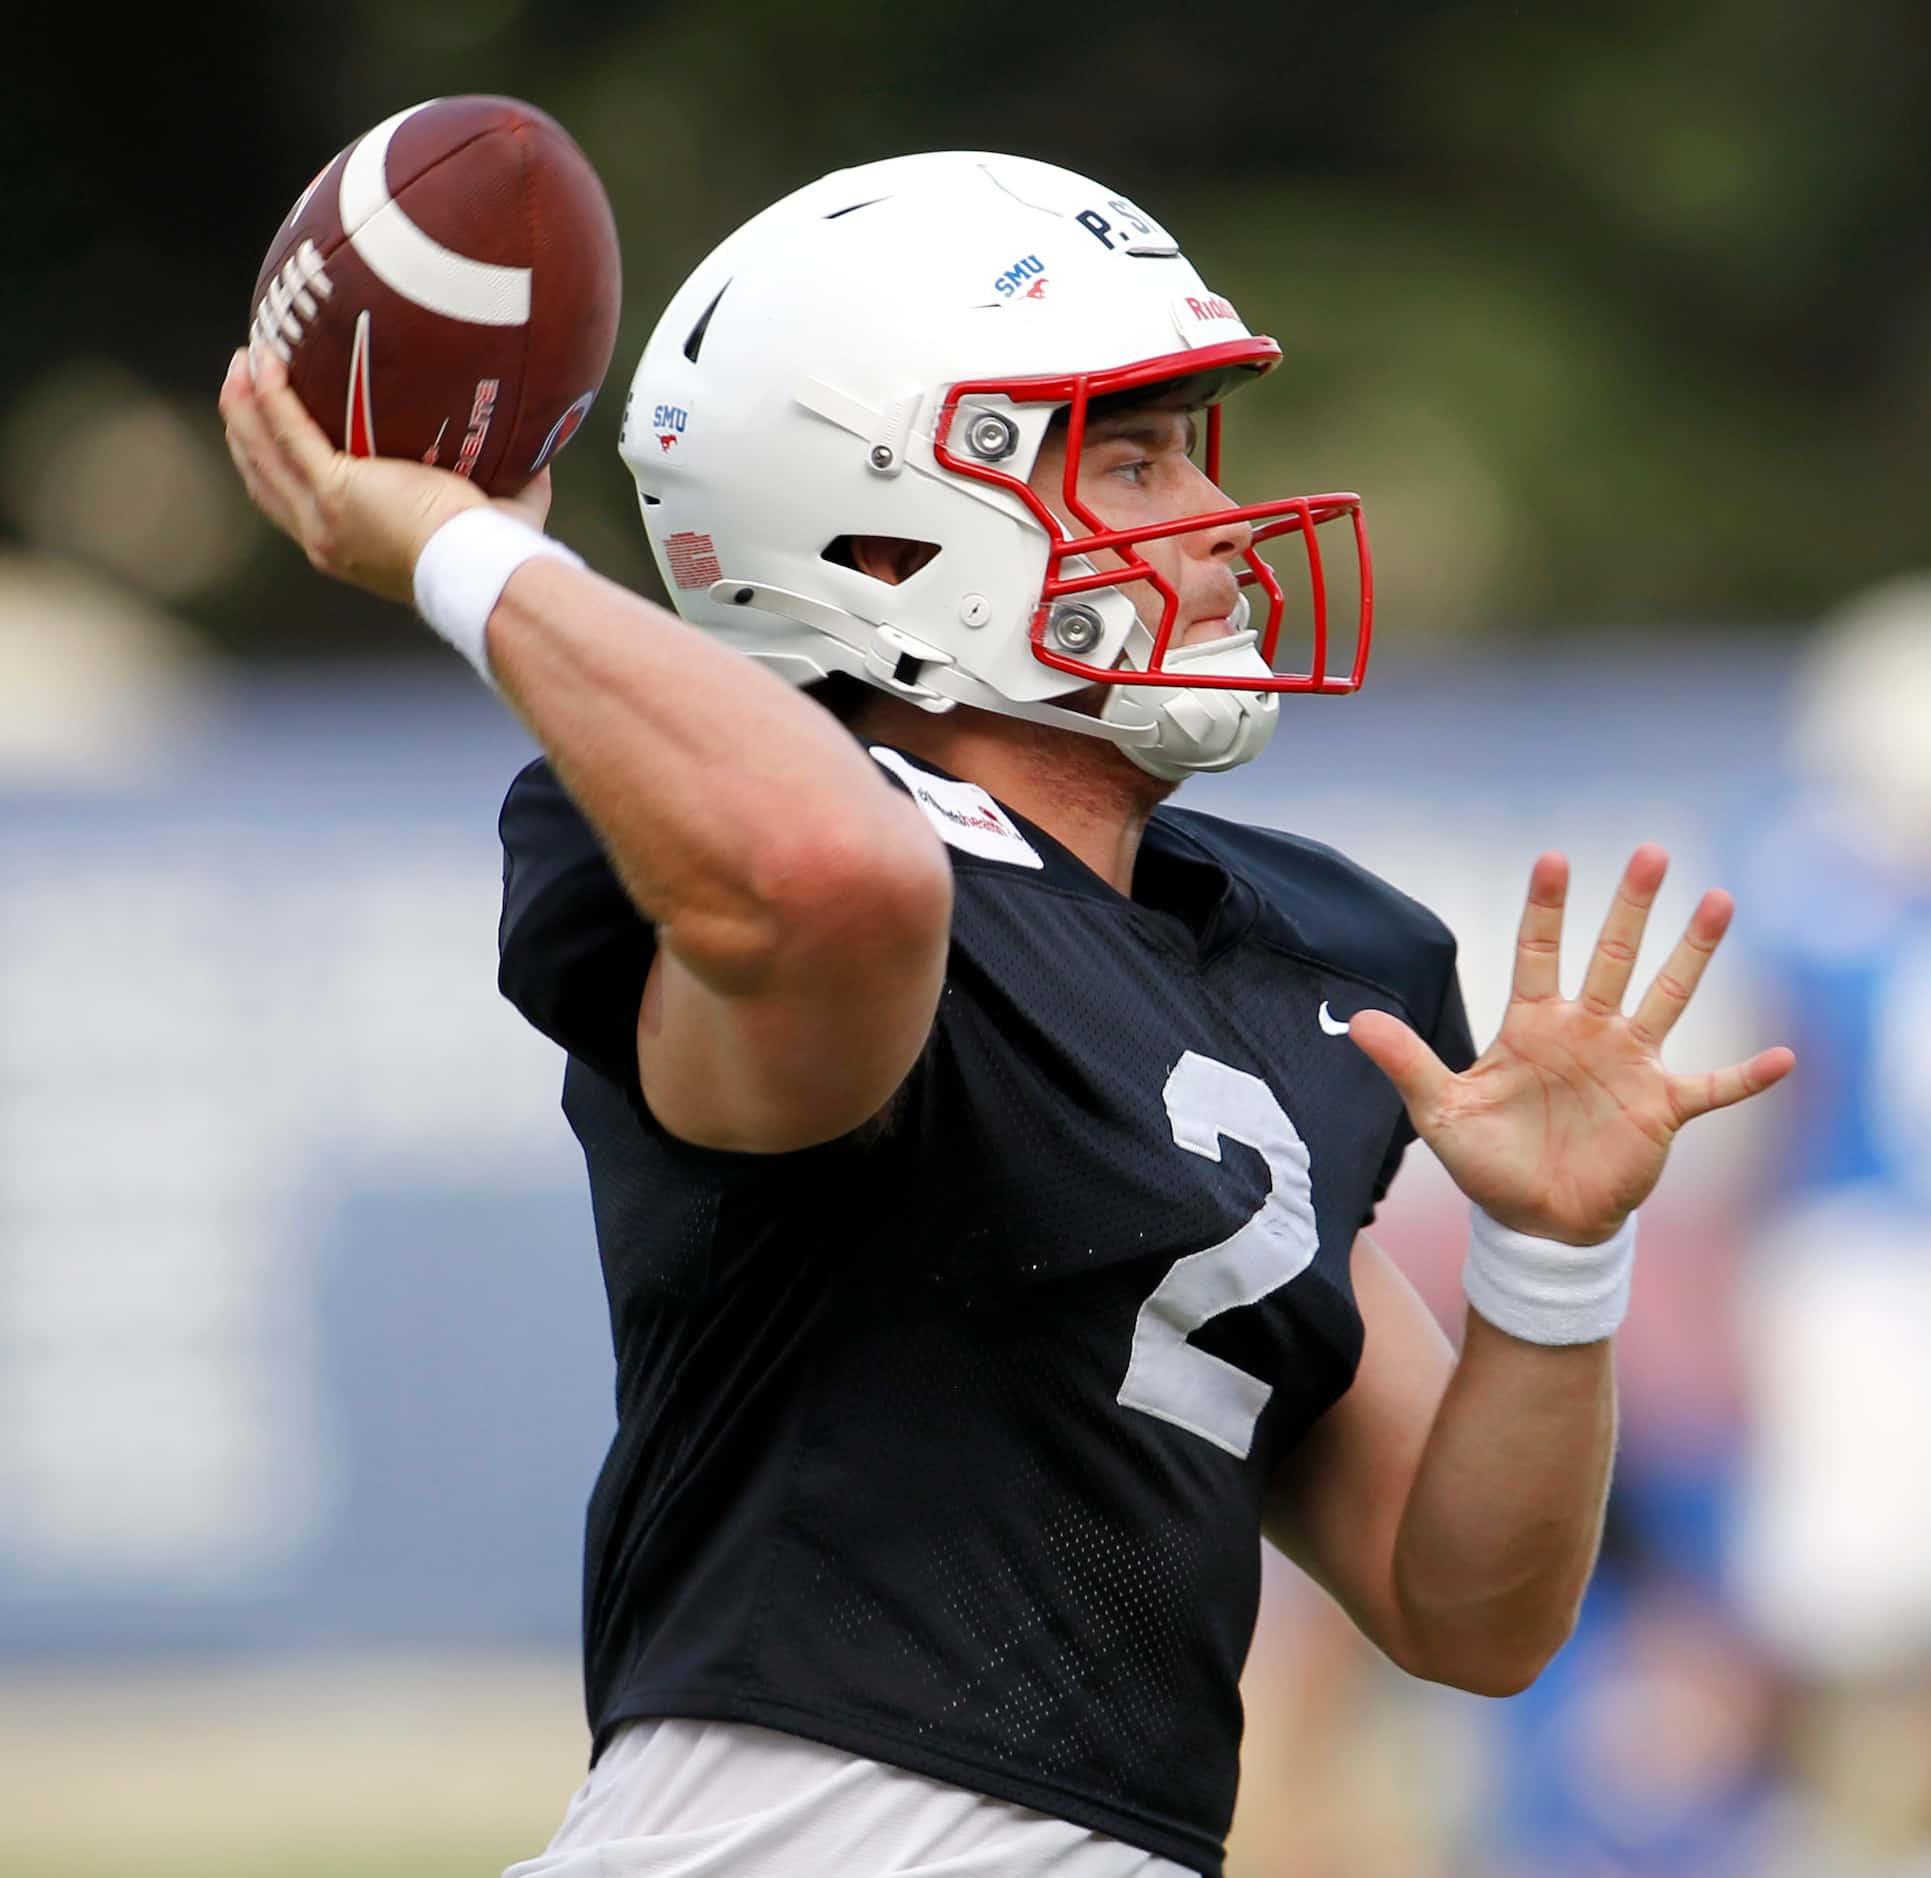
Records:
x=1418, y=1074
x=1719, y=1088
x=1538, y=941
x=259, y=493
x=532, y=501
x=1663, y=1003
x=253, y=450
x=1614, y=958
x=297, y=435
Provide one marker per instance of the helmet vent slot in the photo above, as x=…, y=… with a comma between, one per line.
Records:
x=852, y=208
x=893, y=559
x=693, y=344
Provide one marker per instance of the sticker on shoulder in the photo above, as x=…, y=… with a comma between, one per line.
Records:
x=965, y=816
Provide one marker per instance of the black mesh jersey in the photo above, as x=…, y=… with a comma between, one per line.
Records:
x=946, y=1443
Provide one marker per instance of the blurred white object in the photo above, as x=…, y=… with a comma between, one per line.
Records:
x=1833, y=1554
x=1862, y=726
x=94, y=679
x=1833, y=1543
x=100, y=466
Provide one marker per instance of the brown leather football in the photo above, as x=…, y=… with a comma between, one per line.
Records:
x=447, y=289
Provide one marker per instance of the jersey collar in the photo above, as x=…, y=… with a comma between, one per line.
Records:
x=1178, y=888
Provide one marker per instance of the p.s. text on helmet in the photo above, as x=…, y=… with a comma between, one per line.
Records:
x=1126, y=222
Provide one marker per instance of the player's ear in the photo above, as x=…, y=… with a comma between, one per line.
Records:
x=890, y=558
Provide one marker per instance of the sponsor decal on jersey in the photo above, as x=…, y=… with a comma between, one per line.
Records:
x=482, y=410
x=965, y=816
x=692, y=558
x=668, y=422
x=564, y=429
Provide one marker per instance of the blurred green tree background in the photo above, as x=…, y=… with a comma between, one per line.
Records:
x=1616, y=315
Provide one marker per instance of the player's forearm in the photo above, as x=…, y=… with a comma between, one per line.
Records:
x=1500, y=1531
x=729, y=803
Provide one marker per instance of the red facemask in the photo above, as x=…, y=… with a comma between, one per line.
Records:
x=1218, y=367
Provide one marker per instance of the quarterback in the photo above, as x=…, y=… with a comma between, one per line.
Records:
x=980, y=1149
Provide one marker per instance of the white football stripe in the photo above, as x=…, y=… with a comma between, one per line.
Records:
x=418, y=267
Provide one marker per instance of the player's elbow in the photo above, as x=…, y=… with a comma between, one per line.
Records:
x=1498, y=1678
x=1485, y=1665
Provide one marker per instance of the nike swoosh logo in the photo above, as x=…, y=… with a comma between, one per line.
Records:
x=358, y=423
x=1333, y=1025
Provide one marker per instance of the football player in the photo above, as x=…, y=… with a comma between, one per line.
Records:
x=980, y=1149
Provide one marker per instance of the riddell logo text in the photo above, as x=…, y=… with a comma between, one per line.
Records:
x=986, y=823
x=1211, y=308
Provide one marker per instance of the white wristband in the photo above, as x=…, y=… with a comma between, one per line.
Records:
x=463, y=569
x=1544, y=1291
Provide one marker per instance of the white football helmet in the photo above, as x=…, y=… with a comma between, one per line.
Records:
x=880, y=353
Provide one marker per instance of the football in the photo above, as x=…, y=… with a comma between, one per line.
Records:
x=447, y=289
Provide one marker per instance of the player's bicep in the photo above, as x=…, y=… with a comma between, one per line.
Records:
x=808, y=1055
x=1335, y=1504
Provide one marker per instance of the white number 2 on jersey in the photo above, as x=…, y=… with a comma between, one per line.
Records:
x=1208, y=1101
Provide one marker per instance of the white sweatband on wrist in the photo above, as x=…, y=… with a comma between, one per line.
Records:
x=1544, y=1291
x=464, y=567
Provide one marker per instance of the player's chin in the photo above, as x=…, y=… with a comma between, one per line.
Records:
x=1199, y=631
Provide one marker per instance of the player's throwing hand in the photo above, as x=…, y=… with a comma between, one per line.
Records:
x=364, y=520
x=1561, y=1127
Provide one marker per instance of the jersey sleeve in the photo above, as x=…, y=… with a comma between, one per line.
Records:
x=1449, y=1038
x=573, y=949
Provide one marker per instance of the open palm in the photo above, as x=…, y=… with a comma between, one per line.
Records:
x=1562, y=1125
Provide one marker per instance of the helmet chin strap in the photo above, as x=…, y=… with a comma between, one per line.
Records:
x=1170, y=731
x=1197, y=729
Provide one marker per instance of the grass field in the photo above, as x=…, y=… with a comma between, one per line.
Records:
x=376, y=1767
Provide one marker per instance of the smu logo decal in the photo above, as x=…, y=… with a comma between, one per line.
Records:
x=1026, y=276
x=563, y=430
x=668, y=422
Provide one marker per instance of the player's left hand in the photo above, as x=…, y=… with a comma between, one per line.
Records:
x=1561, y=1127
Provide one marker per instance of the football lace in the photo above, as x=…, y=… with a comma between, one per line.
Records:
x=289, y=300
